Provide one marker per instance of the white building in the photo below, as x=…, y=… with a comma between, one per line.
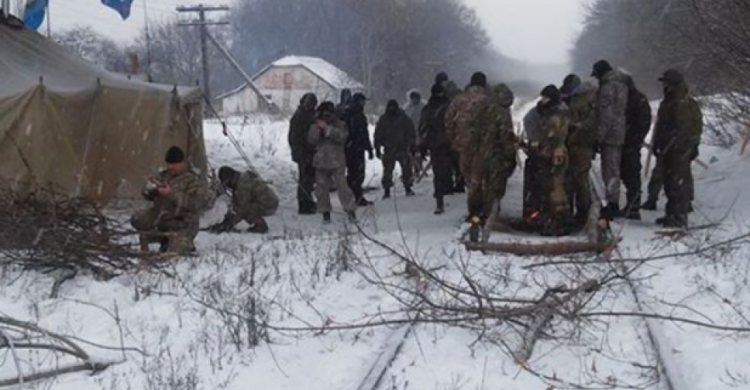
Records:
x=285, y=81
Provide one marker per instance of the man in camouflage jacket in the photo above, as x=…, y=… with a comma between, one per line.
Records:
x=177, y=195
x=495, y=158
x=252, y=199
x=459, y=121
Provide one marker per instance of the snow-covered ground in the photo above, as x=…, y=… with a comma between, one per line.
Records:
x=188, y=321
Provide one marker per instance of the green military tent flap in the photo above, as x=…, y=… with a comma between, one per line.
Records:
x=73, y=129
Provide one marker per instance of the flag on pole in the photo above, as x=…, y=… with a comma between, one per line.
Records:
x=121, y=6
x=34, y=13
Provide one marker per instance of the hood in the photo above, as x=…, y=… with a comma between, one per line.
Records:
x=502, y=95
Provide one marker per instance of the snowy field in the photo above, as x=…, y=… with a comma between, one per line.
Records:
x=330, y=299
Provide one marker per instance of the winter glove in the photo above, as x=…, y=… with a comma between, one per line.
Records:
x=378, y=154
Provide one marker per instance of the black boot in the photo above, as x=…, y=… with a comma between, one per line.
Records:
x=409, y=192
x=387, y=193
x=676, y=222
x=362, y=202
x=326, y=217
x=352, y=216
x=440, y=209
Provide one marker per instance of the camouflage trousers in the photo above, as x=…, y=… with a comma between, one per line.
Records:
x=154, y=226
x=556, y=209
x=487, y=184
x=404, y=160
x=579, y=182
x=656, y=184
x=325, y=179
x=611, y=161
x=678, y=184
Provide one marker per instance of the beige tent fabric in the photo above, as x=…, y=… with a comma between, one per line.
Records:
x=75, y=129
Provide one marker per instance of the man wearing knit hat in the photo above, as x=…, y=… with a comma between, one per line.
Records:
x=177, y=196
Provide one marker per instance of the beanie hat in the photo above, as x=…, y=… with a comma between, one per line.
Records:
x=441, y=78
x=601, y=68
x=226, y=174
x=392, y=105
x=552, y=93
x=174, y=155
x=479, y=79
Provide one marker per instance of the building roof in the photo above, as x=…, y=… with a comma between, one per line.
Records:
x=335, y=77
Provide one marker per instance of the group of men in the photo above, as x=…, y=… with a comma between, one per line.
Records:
x=470, y=139
x=610, y=117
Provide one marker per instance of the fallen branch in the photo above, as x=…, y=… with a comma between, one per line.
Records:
x=541, y=249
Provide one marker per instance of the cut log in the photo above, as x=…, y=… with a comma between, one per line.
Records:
x=540, y=249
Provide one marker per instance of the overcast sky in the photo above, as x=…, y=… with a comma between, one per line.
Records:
x=540, y=31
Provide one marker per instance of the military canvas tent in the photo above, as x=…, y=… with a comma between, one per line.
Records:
x=70, y=127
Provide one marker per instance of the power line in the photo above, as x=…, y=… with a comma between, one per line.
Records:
x=203, y=23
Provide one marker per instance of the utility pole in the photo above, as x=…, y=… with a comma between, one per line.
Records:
x=203, y=23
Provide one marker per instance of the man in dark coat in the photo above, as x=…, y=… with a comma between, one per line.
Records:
x=395, y=133
x=451, y=92
x=679, y=128
x=357, y=145
x=303, y=152
x=638, y=120
x=436, y=143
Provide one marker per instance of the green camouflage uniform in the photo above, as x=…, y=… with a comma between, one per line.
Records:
x=679, y=128
x=554, y=156
x=495, y=144
x=252, y=200
x=460, y=120
x=176, y=214
x=581, y=141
